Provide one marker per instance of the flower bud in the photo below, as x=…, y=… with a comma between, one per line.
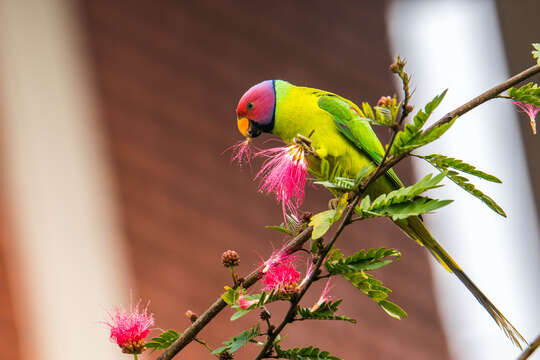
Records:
x=191, y=315
x=230, y=258
x=385, y=101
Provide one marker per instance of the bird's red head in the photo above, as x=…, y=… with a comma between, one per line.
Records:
x=256, y=109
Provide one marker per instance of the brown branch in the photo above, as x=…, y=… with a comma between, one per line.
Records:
x=530, y=349
x=487, y=95
x=191, y=332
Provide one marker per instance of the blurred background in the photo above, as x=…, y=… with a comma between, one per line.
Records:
x=115, y=117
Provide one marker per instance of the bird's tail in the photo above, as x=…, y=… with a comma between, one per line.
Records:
x=414, y=227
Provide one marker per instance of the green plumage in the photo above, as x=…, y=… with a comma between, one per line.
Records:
x=348, y=144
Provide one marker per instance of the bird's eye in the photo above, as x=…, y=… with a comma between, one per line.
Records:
x=249, y=105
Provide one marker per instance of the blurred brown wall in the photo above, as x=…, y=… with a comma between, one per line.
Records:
x=169, y=74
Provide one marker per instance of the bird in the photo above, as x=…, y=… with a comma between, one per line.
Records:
x=280, y=108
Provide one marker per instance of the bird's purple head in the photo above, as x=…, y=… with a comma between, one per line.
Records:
x=256, y=109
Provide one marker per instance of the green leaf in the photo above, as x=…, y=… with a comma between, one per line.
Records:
x=405, y=201
x=280, y=228
x=374, y=289
x=362, y=260
x=428, y=136
x=412, y=133
x=307, y=353
x=325, y=311
x=392, y=309
x=230, y=296
x=239, y=340
x=467, y=186
x=418, y=206
x=339, y=183
x=163, y=340
x=528, y=93
x=536, y=52
x=321, y=223
x=445, y=162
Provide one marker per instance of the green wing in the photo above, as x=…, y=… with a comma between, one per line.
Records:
x=358, y=131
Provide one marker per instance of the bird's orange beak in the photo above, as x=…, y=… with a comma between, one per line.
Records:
x=243, y=126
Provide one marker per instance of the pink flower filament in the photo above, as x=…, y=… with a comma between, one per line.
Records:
x=282, y=277
x=242, y=152
x=324, y=298
x=284, y=175
x=530, y=110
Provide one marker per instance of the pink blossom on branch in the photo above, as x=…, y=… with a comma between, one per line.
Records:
x=243, y=302
x=282, y=277
x=284, y=175
x=530, y=110
x=130, y=328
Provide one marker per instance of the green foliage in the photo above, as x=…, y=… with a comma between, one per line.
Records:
x=444, y=163
x=415, y=207
x=307, y=353
x=412, y=136
x=163, y=340
x=372, y=259
x=528, y=93
x=292, y=227
x=467, y=186
x=326, y=311
x=392, y=309
x=347, y=184
x=374, y=289
x=536, y=52
x=239, y=340
x=404, y=202
x=328, y=172
x=231, y=297
x=385, y=116
x=339, y=183
x=322, y=221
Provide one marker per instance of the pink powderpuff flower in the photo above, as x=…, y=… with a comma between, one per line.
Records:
x=244, y=303
x=130, y=328
x=282, y=277
x=530, y=110
x=324, y=297
x=284, y=175
x=277, y=257
x=242, y=152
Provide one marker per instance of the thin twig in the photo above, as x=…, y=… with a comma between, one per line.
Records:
x=530, y=349
x=189, y=334
x=487, y=95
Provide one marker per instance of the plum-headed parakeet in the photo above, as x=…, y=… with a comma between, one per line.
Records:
x=286, y=110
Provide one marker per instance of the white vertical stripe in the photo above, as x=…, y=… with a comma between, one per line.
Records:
x=457, y=44
x=67, y=244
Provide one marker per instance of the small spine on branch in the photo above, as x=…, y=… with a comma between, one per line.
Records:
x=191, y=316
